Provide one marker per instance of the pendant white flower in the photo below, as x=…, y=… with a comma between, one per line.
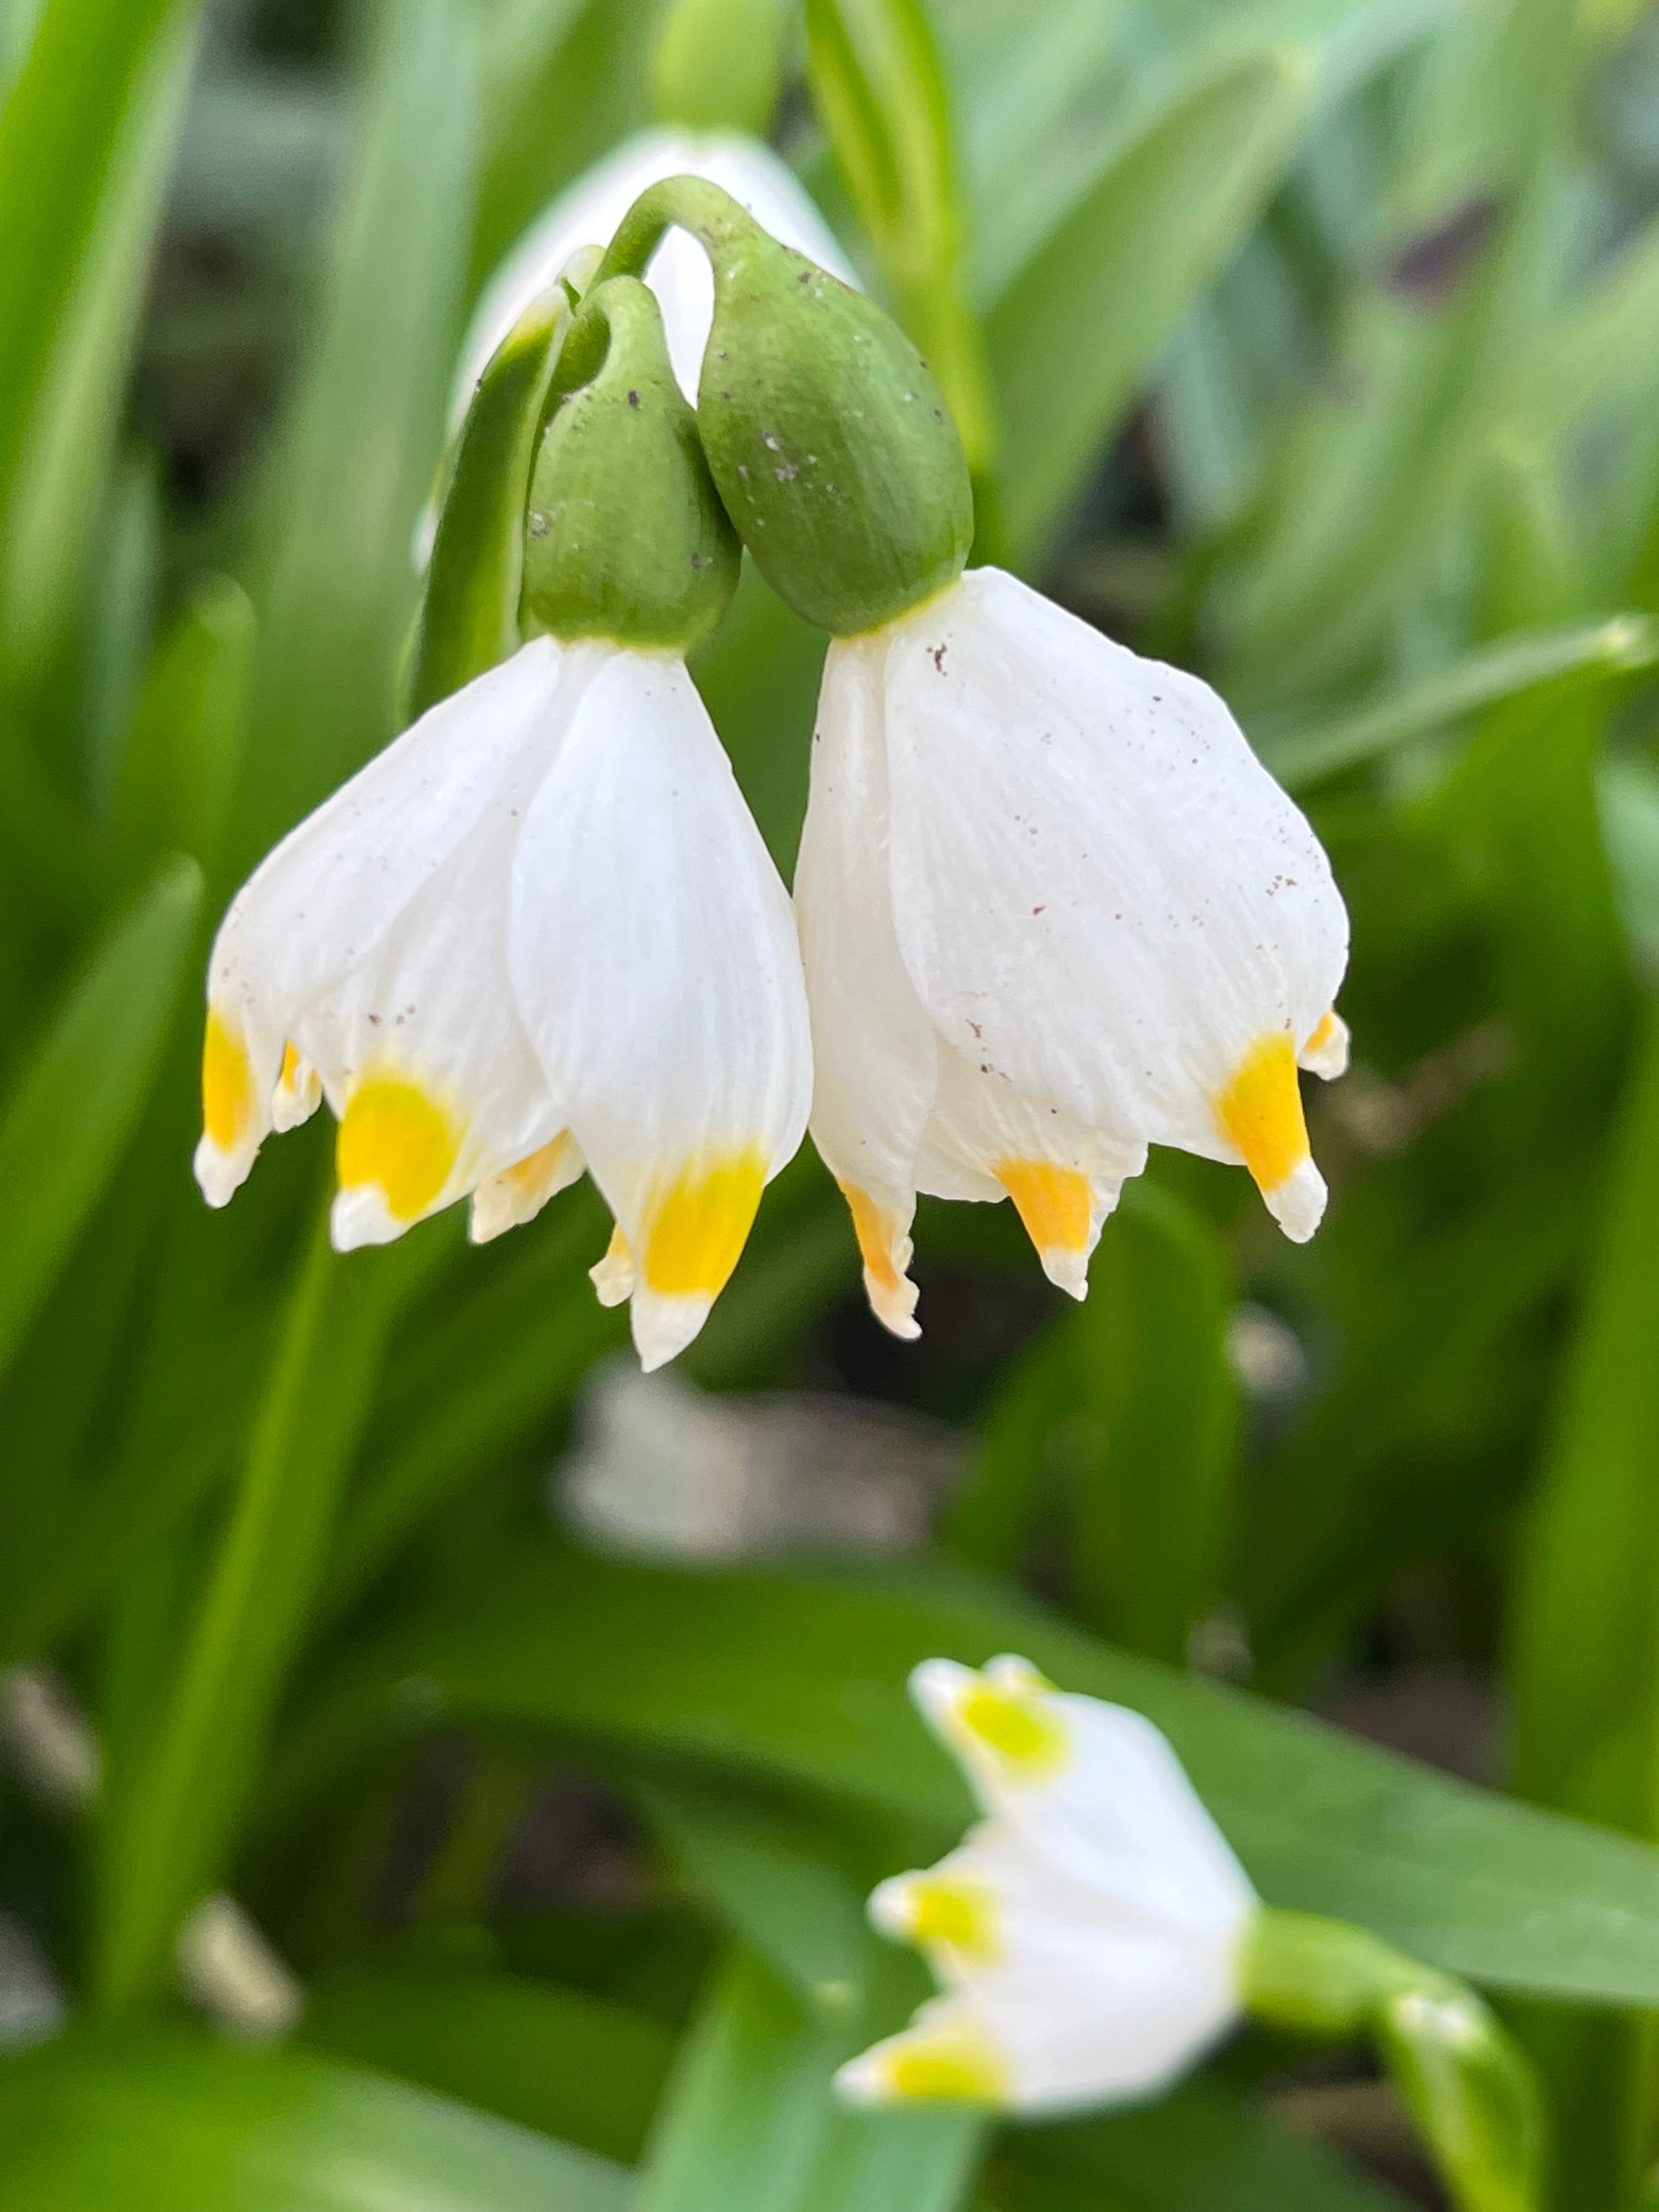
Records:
x=1089, y=1934
x=1052, y=910
x=589, y=211
x=539, y=931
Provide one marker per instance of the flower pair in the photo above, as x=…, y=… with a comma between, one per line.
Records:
x=1050, y=907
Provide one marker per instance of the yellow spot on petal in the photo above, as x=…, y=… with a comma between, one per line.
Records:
x=393, y=1135
x=873, y=1227
x=1022, y=1732
x=617, y=1250
x=699, y=1224
x=227, y=1085
x=534, y=1173
x=956, y=2069
x=1323, y=1032
x=1054, y=1202
x=289, y=1077
x=959, y=1914
x=1259, y=1111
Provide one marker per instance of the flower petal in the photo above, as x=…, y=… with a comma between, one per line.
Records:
x=875, y=1056
x=518, y=1194
x=1100, y=894
x=1092, y=1788
x=1326, y=1052
x=653, y=957
x=322, y=903
x=986, y=1139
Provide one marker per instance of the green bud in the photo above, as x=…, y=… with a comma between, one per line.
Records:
x=469, y=617
x=1469, y=2088
x=625, y=537
x=826, y=433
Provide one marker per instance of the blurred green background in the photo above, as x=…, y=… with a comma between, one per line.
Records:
x=532, y=1731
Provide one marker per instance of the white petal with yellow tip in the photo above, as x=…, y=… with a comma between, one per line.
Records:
x=673, y=1024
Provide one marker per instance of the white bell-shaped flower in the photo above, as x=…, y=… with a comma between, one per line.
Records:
x=1053, y=910
x=588, y=211
x=539, y=931
x=1089, y=1934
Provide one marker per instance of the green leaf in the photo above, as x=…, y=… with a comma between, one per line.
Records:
x=1121, y=1423
x=1201, y=2147
x=165, y=2122
x=1583, y=1668
x=470, y=615
x=718, y=64
x=177, y=1786
x=801, y=1678
x=87, y=137
x=588, y=2072
x=1583, y=654
x=78, y=1096
x=186, y=745
x=750, y=2116
x=1074, y=334
x=332, y=577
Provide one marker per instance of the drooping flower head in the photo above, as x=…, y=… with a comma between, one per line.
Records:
x=541, y=932
x=1052, y=908
x=1095, y=1937
x=1088, y=1934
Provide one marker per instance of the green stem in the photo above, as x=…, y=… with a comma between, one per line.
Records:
x=172, y=1816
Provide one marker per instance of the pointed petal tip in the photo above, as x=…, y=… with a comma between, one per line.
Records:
x=1326, y=1053
x=663, y=1326
x=894, y=1304
x=1298, y=1204
x=865, y=2080
x=361, y=1216
x=219, y=1175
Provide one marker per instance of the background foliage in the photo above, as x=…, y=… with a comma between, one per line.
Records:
x=1312, y=343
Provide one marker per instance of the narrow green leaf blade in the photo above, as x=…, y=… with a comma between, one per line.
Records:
x=572, y=2066
x=165, y=2122
x=87, y=136
x=1075, y=332
x=752, y=2117
x=1508, y=668
x=78, y=1097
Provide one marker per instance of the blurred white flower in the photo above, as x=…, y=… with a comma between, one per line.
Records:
x=1053, y=910
x=1089, y=1934
x=589, y=210
x=539, y=931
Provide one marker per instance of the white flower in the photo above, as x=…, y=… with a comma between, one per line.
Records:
x=588, y=212
x=539, y=931
x=1089, y=1934
x=1052, y=910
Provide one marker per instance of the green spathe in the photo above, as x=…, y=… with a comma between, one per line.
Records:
x=1468, y=2086
x=825, y=431
x=625, y=536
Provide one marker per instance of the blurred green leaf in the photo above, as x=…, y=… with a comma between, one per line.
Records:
x=1199, y=2148
x=1584, y=1669
x=185, y=746
x=175, y=1796
x=169, y=2123
x=77, y=1096
x=750, y=2116
x=333, y=575
x=877, y=81
x=718, y=63
x=87, y=137
x=586, y=2072
x=1509, y=667
x=800, y=1678
x=1074, y=334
